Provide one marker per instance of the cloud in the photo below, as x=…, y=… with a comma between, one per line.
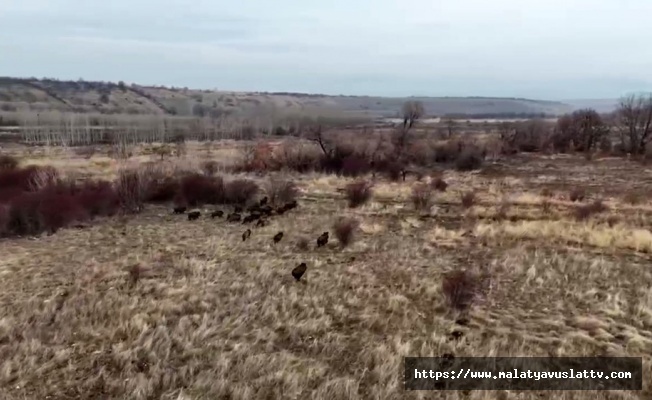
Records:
x=539, y=49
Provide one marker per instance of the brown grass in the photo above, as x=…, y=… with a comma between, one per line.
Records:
x=151, y=306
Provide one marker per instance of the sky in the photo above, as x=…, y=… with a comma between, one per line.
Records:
x=543, y=49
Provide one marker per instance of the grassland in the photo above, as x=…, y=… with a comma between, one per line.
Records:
x=213, y=317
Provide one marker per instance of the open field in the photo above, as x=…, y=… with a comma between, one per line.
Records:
x=210, y=316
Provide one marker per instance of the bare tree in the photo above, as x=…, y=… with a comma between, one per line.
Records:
x=413, y=110
x=635, y=114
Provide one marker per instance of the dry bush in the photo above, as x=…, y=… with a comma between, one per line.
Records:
x=209, y=168
x=303, y=243
x=546, y=206
x=422, y=196
x=460, y=288
x=449, y=151
x=131, y=189
x=577, y=194
x=24, y=218
x=547, y=192
x=584, y=212
x=297, y=157
x=502, y=210
x=354, y=165
x=439, y=184
x=121, y=151
x=468, y=199
x=281, y=191
x=240, y=191
x=634, y=197
x=469, y=159
x=86, y=152
x=8, y=162
x=344, y=229
x=358, y=193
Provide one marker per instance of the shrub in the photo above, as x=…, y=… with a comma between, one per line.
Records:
x=198, y=189
x=8, y=162
x=469, y=159
x=577, y=194
x=546, y=206
x=131, y=188
x=439, y=184
x=460, y=288
x=344, y=230
x=502, y=210
x=85, y=151
x=422, y=196
x=59, y=210
x=98, y=198
x=209, y=167
x=30, y=178
x=468, y=199
x=4, y=220
x=586, y=211
x=240, y=191
x=24, y=216
x=358, y=193
x=634, y=197
x=280, y=191
x=547, y=192
x=354, y=165
x=162, y=191
x=303, y=243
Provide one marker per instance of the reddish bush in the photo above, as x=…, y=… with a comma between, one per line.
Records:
x=162, y=191
x=240, y=191
x=460, y=288
x=8, y=162
x=59, y=210
x=8, y=193
x=281, y=192
x=4, y=220
x=21, y=178
x=344, y=230
x=358, y=193
x=197, y=189
x=98, y=198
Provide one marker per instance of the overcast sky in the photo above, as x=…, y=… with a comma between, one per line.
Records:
x=550, y=49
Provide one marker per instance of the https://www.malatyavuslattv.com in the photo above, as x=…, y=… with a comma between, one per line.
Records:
x=466, y=373
x=523, y=373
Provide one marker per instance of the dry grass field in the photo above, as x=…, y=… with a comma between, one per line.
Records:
x=155, y=306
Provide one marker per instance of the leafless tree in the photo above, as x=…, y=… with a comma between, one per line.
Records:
x=635, y=114
x=413, y=110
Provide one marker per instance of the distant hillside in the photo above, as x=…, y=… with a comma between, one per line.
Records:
x=30, y=94
x=600, y=105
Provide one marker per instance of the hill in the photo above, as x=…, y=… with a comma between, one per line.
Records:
x=31, y=94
